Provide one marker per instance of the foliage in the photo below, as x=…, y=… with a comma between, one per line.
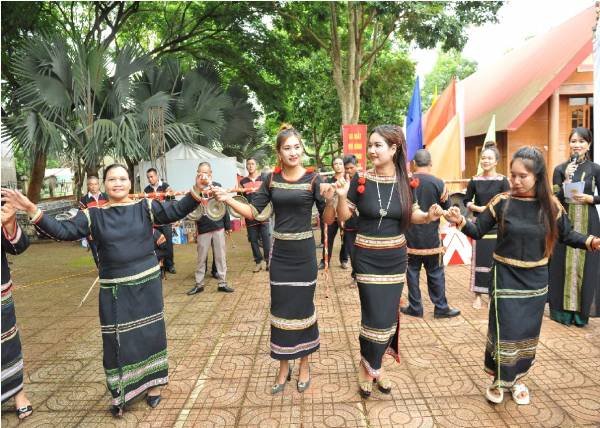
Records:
x=448, y=65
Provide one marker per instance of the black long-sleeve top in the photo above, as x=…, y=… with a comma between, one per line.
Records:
x=206, y=225
x=588, y=172
x=484, y=189
x=425, y=239
x=523, y=243
x=15, y=244
x=122, y=231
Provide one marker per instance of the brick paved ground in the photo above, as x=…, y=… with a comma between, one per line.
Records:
x=221, y=372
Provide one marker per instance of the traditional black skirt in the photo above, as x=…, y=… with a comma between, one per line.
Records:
x=483, y=252
x=134, y=337
x=380, y=274
x=293, y=274
x=518, y=296
x=12, y=358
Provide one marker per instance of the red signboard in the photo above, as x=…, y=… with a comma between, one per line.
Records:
x=355, y=143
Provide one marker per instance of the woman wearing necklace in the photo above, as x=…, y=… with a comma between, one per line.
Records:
x=385, y=198
x=332, y=229
x=483, y=187
x=574, y=292
x=293, y=266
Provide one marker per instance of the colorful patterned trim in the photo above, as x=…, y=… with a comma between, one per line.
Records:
x=490, y=237
x=511, y=352
x=295, y=284
x=495, y=201
x=135, y=372
x=87, y=214
x=351, y=205
x=117, y=204
x=132, y=277
x=161, y=240
x=379, y=178
x=370, y=370
x=498, y=177
x=293, y=236
x=16, y=234
x=10, y=334
x=520, y=263
x=149, y=202
x=12, y=370
x=415, y=207
x=196, y=195
x=394, y=354
x=426, y=252
x=283, y=350
x=521, y=294
x=380, y=279
x=461, y=224
x=36, y=217
x=556, y=188
x=132, y=394
x=7, y=300
x=380, y=243
x=12, y=392
x=7, y=287
x=589, y=243
x=285, y=324
x=133, y=324
x=292, y=186
x=445, y=194
x=377, y=335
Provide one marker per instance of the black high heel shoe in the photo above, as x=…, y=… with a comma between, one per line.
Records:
x=276, y=388
x=153, y=400
x=303, y=386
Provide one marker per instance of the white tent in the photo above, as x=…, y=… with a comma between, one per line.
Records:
x=182, y=164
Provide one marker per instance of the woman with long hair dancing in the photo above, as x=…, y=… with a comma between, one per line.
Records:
x=385, y=198
x=530, y=220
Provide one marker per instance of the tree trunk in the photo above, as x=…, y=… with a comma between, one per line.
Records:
x=36, y=179
x=130, y=166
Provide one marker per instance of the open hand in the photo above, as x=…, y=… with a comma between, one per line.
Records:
x=18, y=201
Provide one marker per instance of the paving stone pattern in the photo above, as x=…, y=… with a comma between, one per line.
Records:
x=221, y=372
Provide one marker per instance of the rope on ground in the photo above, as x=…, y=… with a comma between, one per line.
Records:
x=55, y=279
x=326, y=259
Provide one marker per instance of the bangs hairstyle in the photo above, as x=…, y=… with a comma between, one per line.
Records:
x=583, y=132
x=286, y=131
x=534, y=162
x=393, y=135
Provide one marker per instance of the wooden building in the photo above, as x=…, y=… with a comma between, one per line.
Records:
x=538, y=92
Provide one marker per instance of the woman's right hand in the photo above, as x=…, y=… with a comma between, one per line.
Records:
x=18, y=201
x=571, y=168
x=342, y=186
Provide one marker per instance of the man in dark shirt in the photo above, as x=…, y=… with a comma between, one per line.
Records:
x=425, y=246
x=210, y=231
x=256, y=228
x=157, y=185
x=94, y=198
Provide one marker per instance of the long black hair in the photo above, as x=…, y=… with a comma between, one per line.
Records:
x=534, y=162
x=394, y=135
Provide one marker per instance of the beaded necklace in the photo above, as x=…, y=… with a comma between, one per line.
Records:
x=383, y=212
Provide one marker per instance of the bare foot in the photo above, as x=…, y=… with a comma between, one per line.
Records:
x=22, y=401
x=154, y=391
x=362, y=373
x=477, y=302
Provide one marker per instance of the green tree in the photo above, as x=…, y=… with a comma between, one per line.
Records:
x=353, y=33
x=448, y=65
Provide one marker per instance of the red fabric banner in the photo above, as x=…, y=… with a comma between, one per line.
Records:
x=355, y=143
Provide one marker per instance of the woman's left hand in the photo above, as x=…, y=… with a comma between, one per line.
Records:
x=584, y=199
x=327, y=191
x=453, y=215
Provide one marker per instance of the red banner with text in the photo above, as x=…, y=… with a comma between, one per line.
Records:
x=355, y=143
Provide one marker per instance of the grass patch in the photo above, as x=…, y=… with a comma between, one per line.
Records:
x=82, y=261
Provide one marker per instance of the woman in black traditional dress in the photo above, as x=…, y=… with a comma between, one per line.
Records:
x=293, y=266
x=530, y=220
x=14, y=241
x=387, y=206
x=574, y=292
x=483, y=187
x=337, y=163
x=131, y=304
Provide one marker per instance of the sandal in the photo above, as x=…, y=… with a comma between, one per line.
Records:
x=384, y=384
x=365, y=387
x=22, y=410
x=518, y=389
x=493, y=397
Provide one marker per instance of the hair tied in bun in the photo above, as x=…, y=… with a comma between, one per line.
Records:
x=490, y=145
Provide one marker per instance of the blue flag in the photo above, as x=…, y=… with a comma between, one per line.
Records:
x=414, y=128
